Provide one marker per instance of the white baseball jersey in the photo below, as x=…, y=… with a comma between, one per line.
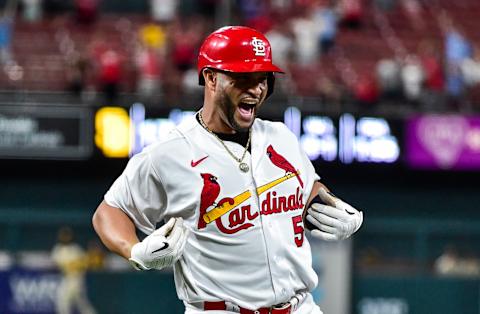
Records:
x=246, y=243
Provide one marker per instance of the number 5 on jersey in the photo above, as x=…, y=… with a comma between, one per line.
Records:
x=298, y=230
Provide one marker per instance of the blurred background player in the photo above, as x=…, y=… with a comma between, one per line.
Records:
x=72, y=261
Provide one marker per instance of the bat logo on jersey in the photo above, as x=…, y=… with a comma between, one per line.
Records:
x=280, y=161
x=240, y=218
x=210, y=192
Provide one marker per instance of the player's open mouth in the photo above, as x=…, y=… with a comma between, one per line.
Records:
x=246, y=109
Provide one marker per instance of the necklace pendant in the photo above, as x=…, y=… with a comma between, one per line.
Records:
x=244, y=167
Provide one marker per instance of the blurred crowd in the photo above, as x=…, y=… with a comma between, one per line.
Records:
x=454, y=262
x=338, y=51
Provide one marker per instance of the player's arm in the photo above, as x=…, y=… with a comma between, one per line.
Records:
x=160, y=249
x=329, y=217
x=115, y=229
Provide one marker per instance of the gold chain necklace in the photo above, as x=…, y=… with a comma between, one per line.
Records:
x=242, y=165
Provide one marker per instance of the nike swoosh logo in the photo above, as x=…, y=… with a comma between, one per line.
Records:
x=195, y=163
x=349, y=212
x=165, y=245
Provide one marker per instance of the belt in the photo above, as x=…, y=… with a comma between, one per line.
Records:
x=222, y=306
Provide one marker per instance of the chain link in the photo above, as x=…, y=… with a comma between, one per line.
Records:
x=239, y=160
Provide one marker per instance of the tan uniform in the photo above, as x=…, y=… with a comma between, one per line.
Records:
x=71, y=259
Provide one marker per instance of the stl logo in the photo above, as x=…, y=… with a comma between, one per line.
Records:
x=258, y=46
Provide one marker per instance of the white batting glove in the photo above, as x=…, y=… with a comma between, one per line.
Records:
x=335, y=221
x=162, y=248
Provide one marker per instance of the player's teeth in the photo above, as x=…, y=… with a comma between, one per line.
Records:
x=245, y=106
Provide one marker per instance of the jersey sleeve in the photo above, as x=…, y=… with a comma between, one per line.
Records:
x=139, y=192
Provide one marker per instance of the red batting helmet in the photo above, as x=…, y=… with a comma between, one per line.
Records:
x=237, y=49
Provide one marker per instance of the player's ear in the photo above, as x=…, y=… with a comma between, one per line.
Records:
x=210, y=78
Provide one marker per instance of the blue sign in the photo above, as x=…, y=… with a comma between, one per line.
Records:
x=28, y=291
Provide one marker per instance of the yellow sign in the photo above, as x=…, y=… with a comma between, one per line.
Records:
x=112, y=131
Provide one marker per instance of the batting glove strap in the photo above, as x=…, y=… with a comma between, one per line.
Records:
x=162, y=248
x=137, y=265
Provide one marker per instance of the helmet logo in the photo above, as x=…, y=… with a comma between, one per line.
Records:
x=258, y=46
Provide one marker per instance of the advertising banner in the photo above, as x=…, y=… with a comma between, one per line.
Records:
x=450, y=142
x=28, y=291
x=35, y=131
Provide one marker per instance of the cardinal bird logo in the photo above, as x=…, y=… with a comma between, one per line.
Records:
x=210, y=192
x=279, y=161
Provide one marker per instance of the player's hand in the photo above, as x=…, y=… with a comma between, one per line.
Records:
x=335, y=221
x=162, y=248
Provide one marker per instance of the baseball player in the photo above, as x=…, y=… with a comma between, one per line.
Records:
x=71, y=259
x=232, y=189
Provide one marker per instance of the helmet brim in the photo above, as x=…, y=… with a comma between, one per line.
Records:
x=244, y=67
